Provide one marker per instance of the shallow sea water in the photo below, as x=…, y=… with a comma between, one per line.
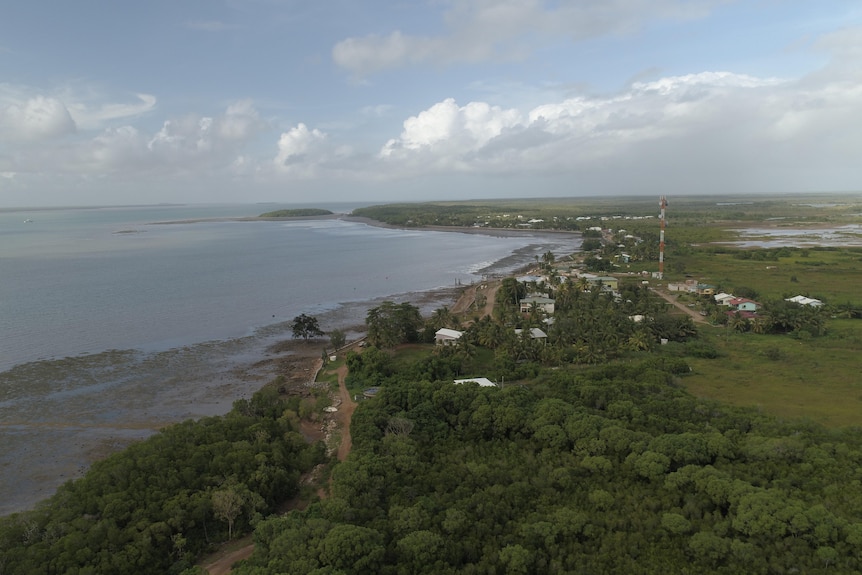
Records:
x=114, y=326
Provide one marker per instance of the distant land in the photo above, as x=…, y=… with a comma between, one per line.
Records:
x=296, y=213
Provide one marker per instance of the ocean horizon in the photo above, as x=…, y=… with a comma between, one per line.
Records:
x=116, y=323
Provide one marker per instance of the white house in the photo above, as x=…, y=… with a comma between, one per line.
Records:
x=482, y=381
x=723, y=298
x=802, y=300
x=446, y=336
x=535, y=333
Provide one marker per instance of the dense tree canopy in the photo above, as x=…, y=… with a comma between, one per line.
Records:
x=155, y=506
x=610, y=470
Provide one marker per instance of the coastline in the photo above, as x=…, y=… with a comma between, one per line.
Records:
x=141, y=392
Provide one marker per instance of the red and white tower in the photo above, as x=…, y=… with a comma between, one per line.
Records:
x=662, y=204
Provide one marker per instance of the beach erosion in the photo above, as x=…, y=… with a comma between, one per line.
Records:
x=100, y=403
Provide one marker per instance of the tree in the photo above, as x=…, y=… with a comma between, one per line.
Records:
x=337, y=338
x=390, y=324
x=306, y=326
x=227, y=506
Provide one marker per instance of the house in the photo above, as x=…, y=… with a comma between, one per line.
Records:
x=445, y=336
x=482, y=381
x=545, y=304
x=802, y=300
x=743, y=304
x=607, y=282
x=535, y=333
x=723, y=298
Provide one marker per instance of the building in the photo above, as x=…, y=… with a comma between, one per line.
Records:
x=535, y=333
x=545, y=304
x=802, y=300
x=482, y=381
x=743, y=304
x=446, y=336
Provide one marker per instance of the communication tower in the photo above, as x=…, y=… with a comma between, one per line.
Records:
x=662, y=204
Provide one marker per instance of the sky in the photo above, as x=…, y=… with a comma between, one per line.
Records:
x=236, y=101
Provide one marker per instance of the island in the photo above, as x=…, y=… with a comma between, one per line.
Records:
x=296, y=213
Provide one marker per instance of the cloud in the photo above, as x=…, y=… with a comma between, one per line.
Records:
x=300, y=149
x=36, y=118
x=449, y=131
x=709, y=129
x=483, y=30
x=94, y=117
x=190, y=145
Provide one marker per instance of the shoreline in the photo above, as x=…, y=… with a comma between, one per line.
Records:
x=98, y=404
x=493, y=232
x=63, y=445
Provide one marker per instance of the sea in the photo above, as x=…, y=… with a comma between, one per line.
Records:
x=117, y=321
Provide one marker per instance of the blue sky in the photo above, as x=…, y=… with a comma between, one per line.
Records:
x=105, y=102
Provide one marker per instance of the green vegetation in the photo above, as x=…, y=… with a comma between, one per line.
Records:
x=706, y=217
x=155, y=507
x=296, y=213
x=605, y=470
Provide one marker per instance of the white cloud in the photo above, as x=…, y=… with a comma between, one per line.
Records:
x=450, y=130
x=300, y=149
x=38, y=117
x=482, y=30
x=192, y=145
x=713, y=128
x=94, y=117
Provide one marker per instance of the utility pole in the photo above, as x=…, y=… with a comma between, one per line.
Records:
x=662, y=204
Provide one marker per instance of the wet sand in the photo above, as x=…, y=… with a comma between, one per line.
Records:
x=93, y=406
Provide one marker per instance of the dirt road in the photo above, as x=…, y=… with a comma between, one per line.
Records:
x=680, y=306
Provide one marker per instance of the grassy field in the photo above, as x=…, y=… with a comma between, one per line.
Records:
x=817, y=378
x=830, y=274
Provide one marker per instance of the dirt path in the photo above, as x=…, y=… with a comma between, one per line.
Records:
x=682, y=307
x=488, y=289
x=222, y=563
x=345, y=413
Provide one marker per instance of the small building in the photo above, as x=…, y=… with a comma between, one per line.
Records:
x=446, y=336
x=482, y=381
x=535, y=333
x=743, y=304
x=607, y=282
x=803, y=300
x=723, y=298
x=545, y=304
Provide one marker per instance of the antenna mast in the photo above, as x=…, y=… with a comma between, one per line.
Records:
x=662, y=204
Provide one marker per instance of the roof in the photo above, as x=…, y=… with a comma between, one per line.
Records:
x=482, y=381
x=537, y=299
x=446, y=332
x=802, y=300
x=535, y=333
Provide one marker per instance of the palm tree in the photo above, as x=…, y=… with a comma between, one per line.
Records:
x=641, y=340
